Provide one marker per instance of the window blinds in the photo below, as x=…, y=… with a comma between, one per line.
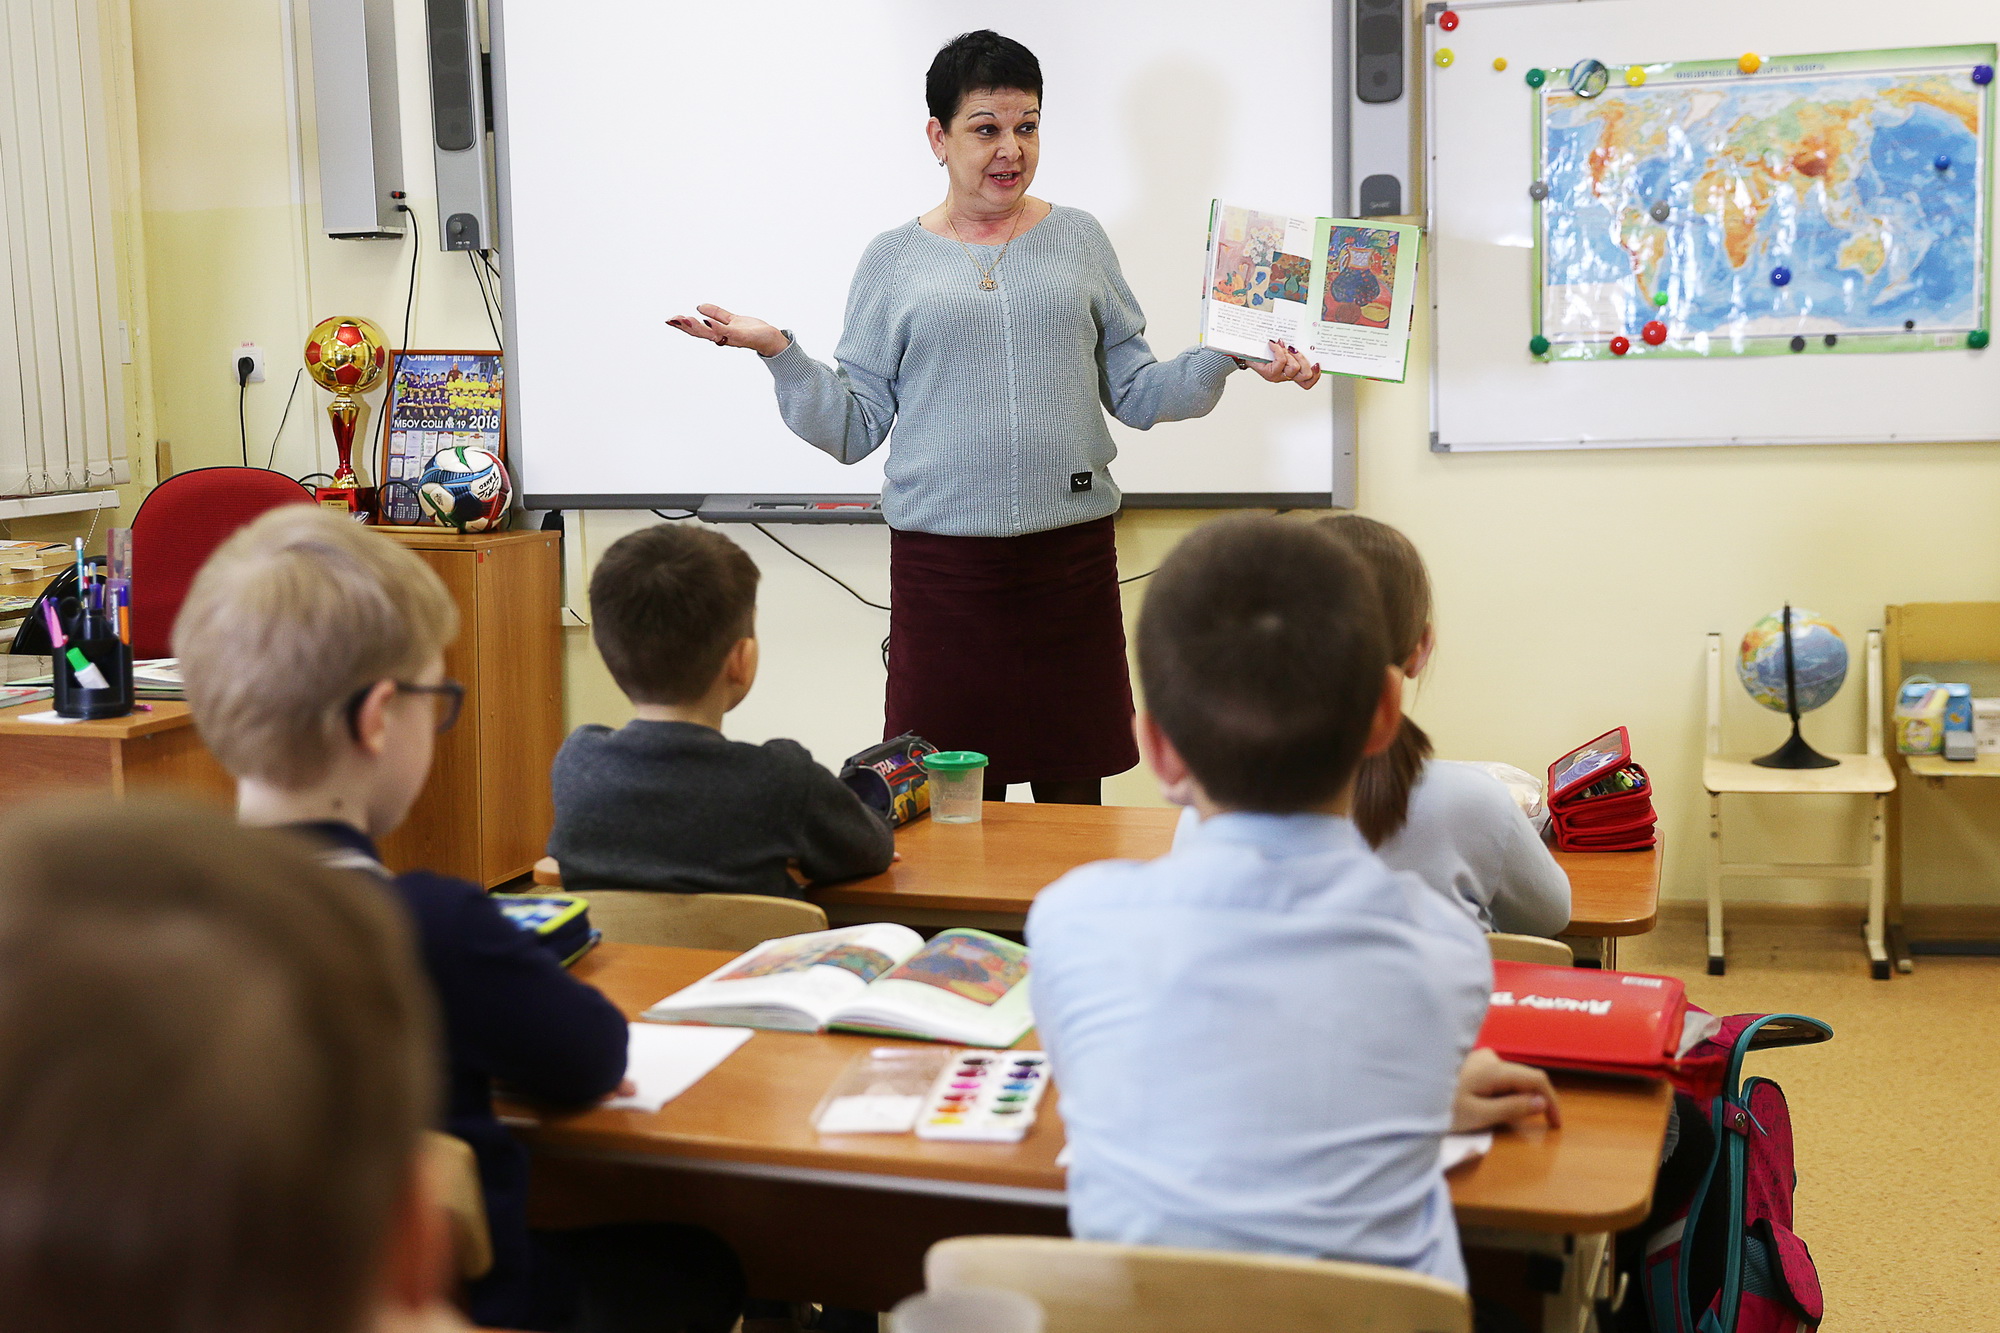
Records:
x=61, y=387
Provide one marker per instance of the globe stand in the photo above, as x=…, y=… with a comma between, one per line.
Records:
x=1794, y=753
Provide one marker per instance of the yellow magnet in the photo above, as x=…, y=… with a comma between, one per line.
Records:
x=1634, y=75
x=1749, y=62
x=1444, y=57
x=1499, y=62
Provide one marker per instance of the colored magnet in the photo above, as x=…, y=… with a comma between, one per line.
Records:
x=1780, y=276
x=1942, y=161
x=1536, y=78
x=1659, y=298
x=1448, y=21
x=1538, y=191
x=1620, y=345
x=1635, y=75
x=1982, y=74
x=1499, y=62
x=1977, y=339
x=1831, y=340
x=1588, y=78
x=1798, y=343
x=1749, y=62
x=1444, y=57
x=1654, y=333
x=1909, y=324
x=1661, y=211
x=1538, y=346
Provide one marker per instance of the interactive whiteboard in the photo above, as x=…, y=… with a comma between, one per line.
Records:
x=654, y=156
x=1683, y=222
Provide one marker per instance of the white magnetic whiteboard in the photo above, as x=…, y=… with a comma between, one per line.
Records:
x=654, y=156
x=1488, y=392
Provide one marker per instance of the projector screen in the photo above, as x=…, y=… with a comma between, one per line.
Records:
x=657, y=156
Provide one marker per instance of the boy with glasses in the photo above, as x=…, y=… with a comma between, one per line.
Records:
x=313, y=651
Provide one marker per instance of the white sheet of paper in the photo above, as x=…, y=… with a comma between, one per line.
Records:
x=50, y=716
x=877, y=1113
x=1458, y=1148
x=665, y=1061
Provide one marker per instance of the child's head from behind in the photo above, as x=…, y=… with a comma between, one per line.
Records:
x=673, y=609
x=1400, y=579
x=1264, y=665
x=313, y=651
x=216, y=1061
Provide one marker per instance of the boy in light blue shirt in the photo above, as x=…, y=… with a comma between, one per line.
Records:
x=1263, y=1037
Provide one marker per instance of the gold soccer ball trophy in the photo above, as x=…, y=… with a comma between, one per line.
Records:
x=346, y=355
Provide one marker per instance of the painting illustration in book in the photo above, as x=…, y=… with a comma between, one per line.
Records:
x=977, y=967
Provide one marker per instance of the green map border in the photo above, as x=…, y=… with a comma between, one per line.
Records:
x=1779, y=67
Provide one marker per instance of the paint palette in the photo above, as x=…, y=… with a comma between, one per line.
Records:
x=985, y=1096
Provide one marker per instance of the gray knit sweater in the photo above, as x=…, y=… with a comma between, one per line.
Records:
x=994, y=396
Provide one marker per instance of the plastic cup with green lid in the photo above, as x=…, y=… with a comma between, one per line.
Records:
x=958, y=785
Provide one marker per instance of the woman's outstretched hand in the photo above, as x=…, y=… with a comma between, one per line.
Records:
x=718, y=326
x=1286, y=363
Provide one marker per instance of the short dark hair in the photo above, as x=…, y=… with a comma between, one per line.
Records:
x=217, y=1057
x=975, y=60
x=1262, y=656
x=667, y=603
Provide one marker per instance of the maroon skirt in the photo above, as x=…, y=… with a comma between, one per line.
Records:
x=1014, y=647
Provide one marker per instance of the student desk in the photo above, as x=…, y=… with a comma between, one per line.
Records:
x=158, y=750
x=987, y=874
x=846, y=1219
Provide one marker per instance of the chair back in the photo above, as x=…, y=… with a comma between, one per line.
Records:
x=178, y=526
x=1098, y=1287
x=699, y=920
x=455, y=1176
x=1529, y=949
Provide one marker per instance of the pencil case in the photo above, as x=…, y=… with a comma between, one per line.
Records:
x=560, y=923
x=890, y=778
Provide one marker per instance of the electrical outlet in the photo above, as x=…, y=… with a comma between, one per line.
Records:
x=256, y=356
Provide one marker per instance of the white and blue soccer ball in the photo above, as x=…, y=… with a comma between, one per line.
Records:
x=466, y=488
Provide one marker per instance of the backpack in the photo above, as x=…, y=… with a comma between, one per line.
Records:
x=1730, y=1262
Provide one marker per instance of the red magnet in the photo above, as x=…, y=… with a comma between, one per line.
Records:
x=1448, y=21
x=1620, y=345
x=1654, y=333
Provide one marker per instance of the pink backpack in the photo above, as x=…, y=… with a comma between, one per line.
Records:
x=1730, y=1263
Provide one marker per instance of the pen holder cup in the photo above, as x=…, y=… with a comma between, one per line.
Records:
x=114, y=660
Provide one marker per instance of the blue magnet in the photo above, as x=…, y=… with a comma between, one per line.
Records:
x=1982, y=74
x=1780, y=276
x=1942, y=162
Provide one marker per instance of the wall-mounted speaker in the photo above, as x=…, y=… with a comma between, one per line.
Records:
x=1381, y=110
x=355, y=105
x=460, y=126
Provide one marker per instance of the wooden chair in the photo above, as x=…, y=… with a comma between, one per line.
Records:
x=1941, y=639
x=690, y=920
x=1867, y=774
x=455, y=1175
x=1096, y=1287
x=1530, y=949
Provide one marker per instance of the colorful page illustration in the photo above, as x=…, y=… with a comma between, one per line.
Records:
x=1362, y=323
x=1261, y=277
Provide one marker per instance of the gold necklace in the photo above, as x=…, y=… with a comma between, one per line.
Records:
x=986, y=279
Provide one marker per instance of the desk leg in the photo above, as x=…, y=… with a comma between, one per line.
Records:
x=1715, y=960
x=1878, y=890
x=1557, y=1284
x=1607, y=953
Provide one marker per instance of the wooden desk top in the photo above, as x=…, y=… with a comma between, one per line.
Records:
x=998, y=865
x=166, y=715
x=1937, y=766
x=1595, y=1174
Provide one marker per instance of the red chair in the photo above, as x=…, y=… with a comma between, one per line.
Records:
x=178, y=527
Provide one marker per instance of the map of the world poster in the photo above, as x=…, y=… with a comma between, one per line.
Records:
x=1830, y=203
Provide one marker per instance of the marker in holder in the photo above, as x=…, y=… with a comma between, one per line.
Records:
x=92, y=667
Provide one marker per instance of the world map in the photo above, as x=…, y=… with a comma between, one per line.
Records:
x=1823, y=203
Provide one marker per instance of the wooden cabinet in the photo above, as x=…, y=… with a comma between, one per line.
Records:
x=485, y=813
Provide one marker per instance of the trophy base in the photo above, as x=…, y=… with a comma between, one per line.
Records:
x=358, y=502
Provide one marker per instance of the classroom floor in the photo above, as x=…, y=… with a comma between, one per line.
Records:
x=1898, y=1140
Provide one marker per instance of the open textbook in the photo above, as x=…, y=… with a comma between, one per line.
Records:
x=1337, y=289
x=964, y=986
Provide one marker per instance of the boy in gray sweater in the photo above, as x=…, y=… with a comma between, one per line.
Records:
x=666, y=801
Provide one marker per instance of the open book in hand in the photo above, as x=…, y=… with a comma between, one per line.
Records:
x=1339, y=290
x=965, y=986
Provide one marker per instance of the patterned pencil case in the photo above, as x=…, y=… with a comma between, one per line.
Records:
x=890, y=779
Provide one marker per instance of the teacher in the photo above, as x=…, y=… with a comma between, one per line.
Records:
x=988, y=332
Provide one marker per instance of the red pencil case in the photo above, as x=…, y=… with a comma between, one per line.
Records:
x=1599, y=799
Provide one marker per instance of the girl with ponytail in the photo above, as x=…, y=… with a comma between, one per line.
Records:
x=1454, y=824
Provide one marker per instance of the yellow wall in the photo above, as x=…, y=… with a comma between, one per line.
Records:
x=1574, y=589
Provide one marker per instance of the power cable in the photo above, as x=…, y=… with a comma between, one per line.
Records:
x=835, y=577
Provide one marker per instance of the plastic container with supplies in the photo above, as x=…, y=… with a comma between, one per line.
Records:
x=1919, y=716
x=92, y=667
x=958, y=785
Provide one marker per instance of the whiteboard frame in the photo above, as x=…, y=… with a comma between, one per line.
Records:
x=1429, y=44
x=1344, y=427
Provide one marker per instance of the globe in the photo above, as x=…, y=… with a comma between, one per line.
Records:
x=1819, y=661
